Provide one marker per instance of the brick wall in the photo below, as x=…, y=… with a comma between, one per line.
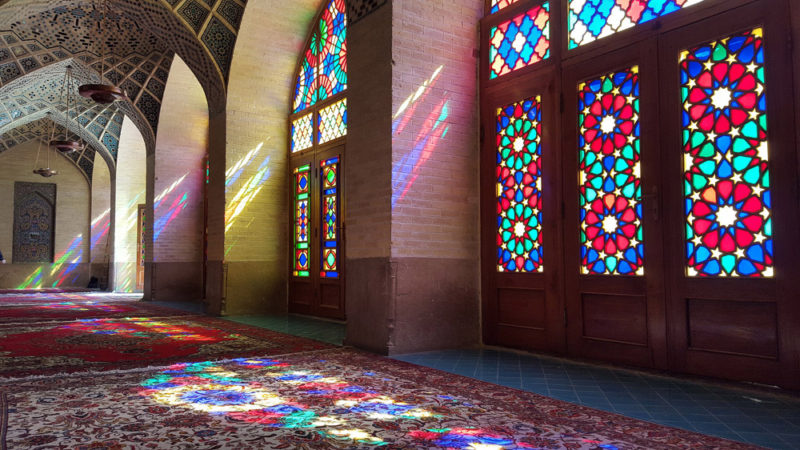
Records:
x=100, y=248
x=179, y=172
x=262, y=75
x=130, y=192
x=435, y=149
x=71, y=227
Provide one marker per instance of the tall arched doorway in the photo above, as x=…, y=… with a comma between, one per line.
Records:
x=318, y=125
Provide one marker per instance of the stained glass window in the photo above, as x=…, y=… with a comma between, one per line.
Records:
x=329, y=174
x=302, y=133
x=332, y=66
x=305, y=90
x=497, y=5
x=332, y=122
x=322, y=75
x=610, y=188
x=590, y=20
x=301, y=194
x=726, y=173
x=520, y=42
x=519, y=187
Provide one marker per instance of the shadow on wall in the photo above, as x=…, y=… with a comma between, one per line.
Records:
x=427, y=133
x=249, y=190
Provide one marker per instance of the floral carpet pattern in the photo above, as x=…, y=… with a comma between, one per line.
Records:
x=120, y=343
x=20, y=299
x=116, y=379
x=327, y=399
x=75, y=309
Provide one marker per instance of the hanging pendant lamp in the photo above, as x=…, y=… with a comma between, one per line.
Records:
x=45, y=171
x=66, y=145
x=101, y=92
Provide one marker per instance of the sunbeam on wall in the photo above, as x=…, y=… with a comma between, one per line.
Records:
x=126, y=270
x=249, y=188
x=100, y=227
x=168, y=205
x=427, y=134
x=63, y=266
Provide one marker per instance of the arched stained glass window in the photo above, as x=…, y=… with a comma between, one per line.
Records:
x=318, y=130
x=323, y=68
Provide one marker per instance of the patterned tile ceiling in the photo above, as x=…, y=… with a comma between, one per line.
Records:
x=131, y=42
x=41, y=130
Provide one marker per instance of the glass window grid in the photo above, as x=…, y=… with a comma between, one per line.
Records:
x=560, y=42
x=315, y=117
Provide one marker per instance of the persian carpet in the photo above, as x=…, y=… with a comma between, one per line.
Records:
x=41, y=291
x=119, y=343
x=30, y=299
x=328, y=399
x=64, y=310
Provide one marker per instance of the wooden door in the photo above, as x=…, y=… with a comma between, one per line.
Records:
x=316, y=284
x=522, y=306
x=612, y=231
x=733, y=303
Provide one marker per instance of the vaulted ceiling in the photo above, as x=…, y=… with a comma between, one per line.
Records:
x=132, y=42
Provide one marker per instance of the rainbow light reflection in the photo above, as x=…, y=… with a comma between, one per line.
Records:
x=166, y=214
x=433, y=129
x=249, y=189
x=309, y=400
x=100, y=227
x=125, y=279
x=140, y=327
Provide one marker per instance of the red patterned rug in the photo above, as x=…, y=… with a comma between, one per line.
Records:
x=82, y=309
x=42, y=291
x=329, y=399
x=28, y=299
x=120, y=343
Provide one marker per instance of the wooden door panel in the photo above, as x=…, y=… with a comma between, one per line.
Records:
x=522, y=304
x=614, y=298
x=734, y=324
x=319, y=290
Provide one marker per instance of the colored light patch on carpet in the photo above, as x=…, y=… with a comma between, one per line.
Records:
x=145, y=328
x=107, y=344
x=77, y=309
x=334, y=399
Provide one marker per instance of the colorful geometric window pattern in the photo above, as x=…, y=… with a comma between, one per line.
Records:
x=520, y=42
x=332, y=122
x=301, y=193
x=497, y=5
x=302, y=133
x=329, y=173
x=323, y=69
x=519, y=187
x=610, y=186
x=726, y=175
x=590, y=20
